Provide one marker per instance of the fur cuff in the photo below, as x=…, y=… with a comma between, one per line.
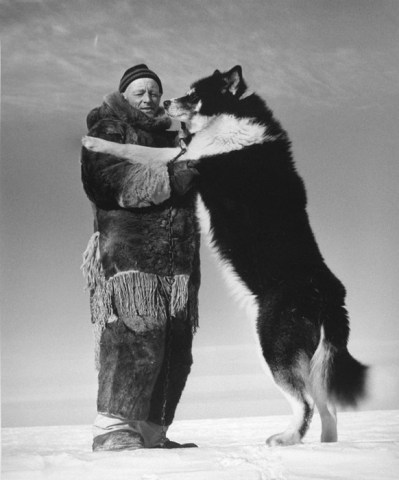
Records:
x=145, y=185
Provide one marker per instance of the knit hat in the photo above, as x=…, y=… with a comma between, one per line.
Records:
x=138, y=71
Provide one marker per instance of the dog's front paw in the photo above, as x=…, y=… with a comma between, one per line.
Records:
x=93, y=143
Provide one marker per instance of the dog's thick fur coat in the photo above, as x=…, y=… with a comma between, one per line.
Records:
x=259, y=225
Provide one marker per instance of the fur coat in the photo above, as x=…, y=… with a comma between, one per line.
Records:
x=146, y=239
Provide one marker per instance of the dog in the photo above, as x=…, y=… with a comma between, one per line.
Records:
x=260, y=229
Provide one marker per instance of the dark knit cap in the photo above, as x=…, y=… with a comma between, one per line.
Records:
x=138, y=71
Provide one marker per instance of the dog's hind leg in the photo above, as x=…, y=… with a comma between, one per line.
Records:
x=318, y=372
x=328, y=416
x=291, y=382
x=288, y=342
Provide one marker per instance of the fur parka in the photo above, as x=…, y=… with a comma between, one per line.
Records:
x=147, y=237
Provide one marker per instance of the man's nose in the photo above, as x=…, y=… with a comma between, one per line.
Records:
x=146, y=97
x=166, y=103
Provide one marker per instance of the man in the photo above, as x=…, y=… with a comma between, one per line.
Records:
x=142, y=270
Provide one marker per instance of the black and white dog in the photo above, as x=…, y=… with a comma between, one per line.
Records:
x=260, y=228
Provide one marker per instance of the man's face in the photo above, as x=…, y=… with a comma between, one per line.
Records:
x=143, y=94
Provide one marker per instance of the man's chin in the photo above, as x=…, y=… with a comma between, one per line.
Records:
x=148, y=112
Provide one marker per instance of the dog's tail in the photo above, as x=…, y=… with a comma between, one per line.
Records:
x=335, y=375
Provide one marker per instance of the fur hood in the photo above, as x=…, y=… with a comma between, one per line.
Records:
x=115, y=105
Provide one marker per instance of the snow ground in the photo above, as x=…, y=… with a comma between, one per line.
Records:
x=230, y=449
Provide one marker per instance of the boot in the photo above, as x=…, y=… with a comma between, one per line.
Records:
x=154, y=436
x=169, y=444
x=118, y=440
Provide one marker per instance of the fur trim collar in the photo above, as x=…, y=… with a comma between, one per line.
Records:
x=123, y=110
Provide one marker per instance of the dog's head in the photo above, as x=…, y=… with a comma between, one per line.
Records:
x=208, y=97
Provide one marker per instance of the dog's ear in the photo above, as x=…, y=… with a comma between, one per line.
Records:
x=233, y=80
x=216, y=73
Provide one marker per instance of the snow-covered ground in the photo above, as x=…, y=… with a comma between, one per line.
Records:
x=229, y=449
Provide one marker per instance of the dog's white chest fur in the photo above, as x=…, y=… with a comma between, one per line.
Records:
x=222, y=134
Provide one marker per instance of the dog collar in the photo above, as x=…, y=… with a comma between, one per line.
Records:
x=183, y=150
